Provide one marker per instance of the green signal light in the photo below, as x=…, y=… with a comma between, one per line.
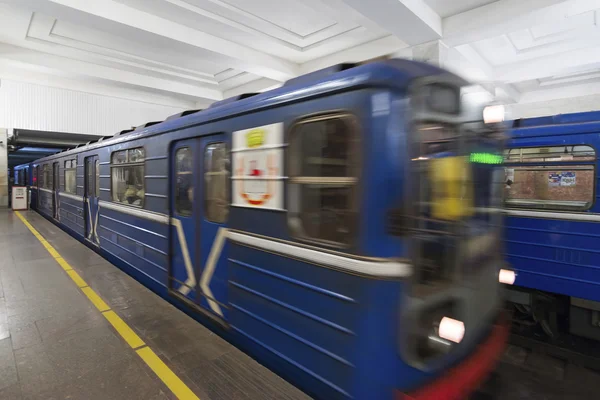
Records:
x=485, y=158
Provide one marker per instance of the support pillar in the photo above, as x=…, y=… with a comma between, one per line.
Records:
x=435, y=53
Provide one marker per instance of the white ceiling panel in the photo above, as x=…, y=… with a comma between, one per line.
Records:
x=207, y=49
x=446, y=8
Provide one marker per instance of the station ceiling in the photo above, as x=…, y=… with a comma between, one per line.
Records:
x=27, y=145
x=207, y=50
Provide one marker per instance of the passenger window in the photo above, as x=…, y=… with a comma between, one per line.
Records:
x=46, y=177
x=323, y=177
x=127, y=176
x=70, y=176
x=534, y=180
x=184, y=186
x=216, y=179
x=35, y=176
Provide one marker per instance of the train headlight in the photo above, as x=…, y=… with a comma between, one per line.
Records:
x=506, y=276
x=436, y=333
x=493, y=114
x=451, y=329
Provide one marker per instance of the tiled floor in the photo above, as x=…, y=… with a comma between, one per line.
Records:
x=55, y=345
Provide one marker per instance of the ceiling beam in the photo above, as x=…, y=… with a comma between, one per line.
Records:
x=571, y=91
x=366, y=51
x=28, y=73
x=551, y=65
x=81, y=68
x=413, y=21
x=236, y=55
x=504, y=16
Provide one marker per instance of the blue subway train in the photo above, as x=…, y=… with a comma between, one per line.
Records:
x=552, y=226
x=342, y=229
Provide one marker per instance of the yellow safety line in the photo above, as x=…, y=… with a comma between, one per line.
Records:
x=76, y=278
x=164, y=373
x=95, y=299
x=128, y=334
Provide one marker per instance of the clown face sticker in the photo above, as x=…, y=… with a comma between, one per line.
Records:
x=258, y=167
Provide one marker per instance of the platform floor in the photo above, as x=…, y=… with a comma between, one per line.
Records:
x=55, y=344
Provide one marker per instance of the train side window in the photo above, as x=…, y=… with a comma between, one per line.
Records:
x=70, y=176
x=550, y=178
x=184, y=186
x=46, y=177
x=127, y=176
x=323, y=178
x=216, y=181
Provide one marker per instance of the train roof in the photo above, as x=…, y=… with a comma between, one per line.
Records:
x=561, y=124
x=396, y=73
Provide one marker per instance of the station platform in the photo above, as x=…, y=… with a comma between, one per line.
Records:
x=74, y=326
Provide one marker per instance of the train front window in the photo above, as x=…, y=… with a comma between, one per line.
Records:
x=456, y=188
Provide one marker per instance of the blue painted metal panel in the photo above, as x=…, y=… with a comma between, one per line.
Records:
x=556, y=255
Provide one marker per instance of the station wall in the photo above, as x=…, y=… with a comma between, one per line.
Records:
x=33, y=106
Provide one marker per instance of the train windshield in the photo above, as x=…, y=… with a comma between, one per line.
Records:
x=457, y=190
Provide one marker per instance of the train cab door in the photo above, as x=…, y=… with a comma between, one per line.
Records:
x=91, y=197
x=55, y=187
x=198, y=208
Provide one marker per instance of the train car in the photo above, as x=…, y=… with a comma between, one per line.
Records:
x=553, y=224
x=342, y=229
x=24, y=176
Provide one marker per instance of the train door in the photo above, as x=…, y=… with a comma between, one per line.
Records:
x=199, y=204
x=55, y=186
x=35, y=187
x=91, y=195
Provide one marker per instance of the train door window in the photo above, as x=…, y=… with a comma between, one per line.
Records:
x=127, y=176
x=70, y=176
x=184, y=186
x=216, y=180
x=550, y=178
x=323, y=178
x=35, y=175
x=97, y=169
x=89, y=171
x=26, y=176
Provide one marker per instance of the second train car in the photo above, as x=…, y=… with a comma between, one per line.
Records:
x=554, y=221
x=343, y=229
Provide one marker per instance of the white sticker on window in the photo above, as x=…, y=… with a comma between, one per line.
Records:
x=258, y=167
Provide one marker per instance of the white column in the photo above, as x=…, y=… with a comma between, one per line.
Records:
x=435, y=53
x=3, y=167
